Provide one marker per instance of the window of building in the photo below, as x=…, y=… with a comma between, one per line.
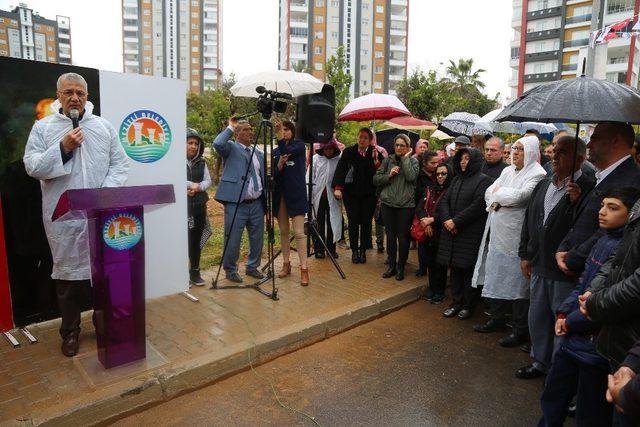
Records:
x=147, y=70
x=319, y=19
x=194, y=83
x=378, y=54
x=195, y=72
x=319, y=3
x=363, y=67
x=50, y=49
x=195, y=49
x=318, y=50
x=147, y=59
x=379, y=9
x=377, y=85
x=334, y=35
x=379, y=24
x=146, y=24
x=318, y=66
x=195, y=3
x=146, y=36
x=2, y=31
x=363, y=83
x=335, y=3
x=194, y=26
x=146, y=12
x=3, y=41
x=378, y=70
x=194, y=14
x=378, y=40
x=319, y=35
x=3, y=52
x=364, y=51
x=195, y=37
x=36, y=27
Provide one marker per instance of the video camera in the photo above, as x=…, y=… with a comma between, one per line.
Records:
x=271, y=101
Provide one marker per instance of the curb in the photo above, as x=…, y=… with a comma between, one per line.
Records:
x=183, y=376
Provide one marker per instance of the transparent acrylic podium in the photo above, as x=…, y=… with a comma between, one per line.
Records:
x=115, y=219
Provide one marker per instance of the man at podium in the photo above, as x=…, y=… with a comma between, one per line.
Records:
x=72, y=149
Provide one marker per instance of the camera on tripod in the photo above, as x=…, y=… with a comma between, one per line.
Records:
x=271, y=101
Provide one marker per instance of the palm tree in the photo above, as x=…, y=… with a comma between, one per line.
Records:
x=463, y=75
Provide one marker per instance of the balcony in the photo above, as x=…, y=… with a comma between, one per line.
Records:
x=398, y=47
x=544, y=13
x=541, y=56
x=543, y=35
x=399, y=17
x=399, y=3
x=541, y=77
x=569, y=67
x=576, y=43
x=578, y=19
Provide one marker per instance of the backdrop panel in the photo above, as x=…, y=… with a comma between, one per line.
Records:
x=149, y=114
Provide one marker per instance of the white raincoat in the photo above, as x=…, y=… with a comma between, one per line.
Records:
x=498, y=265
x=323, y=171
x=99, y=162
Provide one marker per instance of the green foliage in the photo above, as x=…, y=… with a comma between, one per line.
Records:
x=432, y=98
x=341, y=81
x=207, y=113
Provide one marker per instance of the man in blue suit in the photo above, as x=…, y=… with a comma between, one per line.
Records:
x=236, y=156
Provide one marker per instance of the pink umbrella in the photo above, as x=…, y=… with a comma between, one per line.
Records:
x=410, y=123
x=375, y=106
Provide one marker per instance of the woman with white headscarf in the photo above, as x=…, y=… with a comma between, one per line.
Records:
x=498, y=265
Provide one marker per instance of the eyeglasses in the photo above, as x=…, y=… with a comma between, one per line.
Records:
x=442, y=174
x=70, y=92
x=517, y=148
x=401, y=145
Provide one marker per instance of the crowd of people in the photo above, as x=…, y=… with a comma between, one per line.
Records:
x=544, y=239
x=549, y=239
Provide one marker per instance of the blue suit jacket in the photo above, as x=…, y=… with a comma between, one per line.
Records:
x=235, y=160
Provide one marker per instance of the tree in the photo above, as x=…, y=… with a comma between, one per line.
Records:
x=420, y=94
x=337, y=77
x=462, y=74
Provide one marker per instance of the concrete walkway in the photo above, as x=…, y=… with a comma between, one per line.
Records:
x=193, y=344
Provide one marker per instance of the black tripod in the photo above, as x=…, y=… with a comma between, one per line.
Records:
x=265, y=131
x=312, y=224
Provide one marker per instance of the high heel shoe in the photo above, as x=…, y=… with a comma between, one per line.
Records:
x=286, y=270
x=304, y=276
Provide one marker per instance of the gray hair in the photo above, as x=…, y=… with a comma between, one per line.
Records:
x=72, y=77
x=581, y=146
x=498, y=140
x=238, y=128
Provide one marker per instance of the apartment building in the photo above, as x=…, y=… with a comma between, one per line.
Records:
x=180, y=39
x=27, y=35
x=551, y=40
x=374, y=34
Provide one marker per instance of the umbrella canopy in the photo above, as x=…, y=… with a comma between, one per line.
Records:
x=375, y=106
x=441, y=135
x=459, y=123
x=410, y=123
x=488, y=123
x=291, y=82
x=581, y=99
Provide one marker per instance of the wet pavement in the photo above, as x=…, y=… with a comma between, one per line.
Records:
x=411, y=367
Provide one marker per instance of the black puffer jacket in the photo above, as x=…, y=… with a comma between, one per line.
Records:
x=616, y=295
x=464, y=203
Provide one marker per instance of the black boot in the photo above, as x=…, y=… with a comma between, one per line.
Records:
x=391, y=271
x=400, y=272
x=355, y=257
x=363, y=256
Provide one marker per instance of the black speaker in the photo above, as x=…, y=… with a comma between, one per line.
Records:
x=316, y=115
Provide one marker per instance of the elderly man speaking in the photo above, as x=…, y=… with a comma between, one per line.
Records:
x=63, y=158
x=498, y=265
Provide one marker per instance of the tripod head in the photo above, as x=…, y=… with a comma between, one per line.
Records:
x=270, y=101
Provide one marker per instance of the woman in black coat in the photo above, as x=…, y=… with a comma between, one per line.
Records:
x=426, y=212
x=353, y=183
x=462, y=213
x=290, y=196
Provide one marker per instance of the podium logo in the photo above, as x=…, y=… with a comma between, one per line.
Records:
x=145, y=136
x=122, y=231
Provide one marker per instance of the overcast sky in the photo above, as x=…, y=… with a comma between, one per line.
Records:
x=439, y=30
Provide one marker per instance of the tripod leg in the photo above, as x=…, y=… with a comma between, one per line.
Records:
x=316, y=234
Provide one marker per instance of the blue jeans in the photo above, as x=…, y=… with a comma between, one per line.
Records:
x=251, y=217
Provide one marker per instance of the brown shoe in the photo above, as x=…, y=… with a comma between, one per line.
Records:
x=70, y=345
x=286, y=270
x=304, y=276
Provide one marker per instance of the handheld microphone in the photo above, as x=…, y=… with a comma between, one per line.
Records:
x=74, y=115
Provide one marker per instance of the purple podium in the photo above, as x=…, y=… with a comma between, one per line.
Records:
x=115, y=219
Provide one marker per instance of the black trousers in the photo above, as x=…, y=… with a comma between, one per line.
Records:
x=74, y=296
x=397, y=222
x=427, y=253
x=520, y=310
x=323, y=217
x=569, y=377
x=464, y=295
x=195, y=235
x=359, y=214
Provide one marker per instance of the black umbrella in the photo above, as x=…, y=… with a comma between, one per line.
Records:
x=578, y=100
x=385, y=138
